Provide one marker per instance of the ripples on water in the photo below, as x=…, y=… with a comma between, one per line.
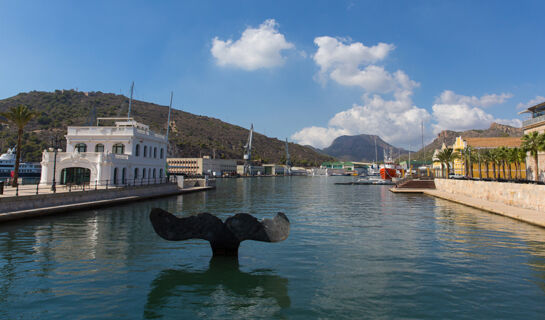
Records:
x=353, y=252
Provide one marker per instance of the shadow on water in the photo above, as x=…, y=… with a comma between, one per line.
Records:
x=221, y=290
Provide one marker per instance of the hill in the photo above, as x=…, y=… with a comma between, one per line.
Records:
x=449, y=137
x=190, y=136
x=361, y=148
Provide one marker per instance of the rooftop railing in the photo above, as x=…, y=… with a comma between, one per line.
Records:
x=533, y=121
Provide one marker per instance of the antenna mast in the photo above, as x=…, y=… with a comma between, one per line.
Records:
x=248, y=153
x=423, y=150
x=130, y=101
x=287, y=158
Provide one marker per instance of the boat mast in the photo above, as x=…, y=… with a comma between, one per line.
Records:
x=130, y=101
x=169, y=109
x=376, y=154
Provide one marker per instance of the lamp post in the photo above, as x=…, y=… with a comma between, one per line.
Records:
x=55, y=143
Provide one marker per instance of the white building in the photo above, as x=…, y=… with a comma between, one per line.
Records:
x=202, y=166
x=126, y=153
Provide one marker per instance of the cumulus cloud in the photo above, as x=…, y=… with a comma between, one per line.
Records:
x=487, y=100
x=531, y=103
x=458, y=112
x=396, y=121
x=257, y=48
x=355, y=65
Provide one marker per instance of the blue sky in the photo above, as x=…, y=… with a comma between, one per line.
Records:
x=306, y=70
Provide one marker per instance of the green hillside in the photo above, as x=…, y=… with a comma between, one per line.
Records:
x=191, y=135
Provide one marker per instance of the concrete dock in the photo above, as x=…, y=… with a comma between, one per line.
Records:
x=522, y=214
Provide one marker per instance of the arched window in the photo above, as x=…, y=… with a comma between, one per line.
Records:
x=162, y=153
x=99, y=147
x=81, y=147
x=155, y=153
x=144, y=172
x=161, y=173
x=145, y=151
x=118, y=148
x=136, y=173
x=137, y=151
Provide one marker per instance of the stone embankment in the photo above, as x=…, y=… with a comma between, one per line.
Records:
x=524, y=202
x=28, y=206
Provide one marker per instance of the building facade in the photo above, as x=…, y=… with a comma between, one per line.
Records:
x=201, y=166
x=536, y=123
x=126, y=152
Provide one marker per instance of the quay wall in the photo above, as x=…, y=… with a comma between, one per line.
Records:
x=29, y=202
x=527, y=196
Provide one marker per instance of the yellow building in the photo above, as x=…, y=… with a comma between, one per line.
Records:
x=487, y=170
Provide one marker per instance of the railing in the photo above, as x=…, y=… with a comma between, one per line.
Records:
x=35, y=189
x=532, y=121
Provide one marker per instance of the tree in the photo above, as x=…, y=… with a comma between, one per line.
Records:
x=466, y=156
x=514, y=158
x=503, y=157
x=447, y=156
x=487, y=158
x=521, y=160
x=20, y=116
x=534, y=142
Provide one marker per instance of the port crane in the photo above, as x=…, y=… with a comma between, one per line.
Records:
x=288, y=162
x=248, y=153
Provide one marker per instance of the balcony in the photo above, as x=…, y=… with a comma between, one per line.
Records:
x=533, y=121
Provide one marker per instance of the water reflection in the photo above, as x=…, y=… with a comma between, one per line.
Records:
x=222, y=290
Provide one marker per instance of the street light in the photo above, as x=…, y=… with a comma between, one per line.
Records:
x=55, y=149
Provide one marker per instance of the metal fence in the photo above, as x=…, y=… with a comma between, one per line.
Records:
x=48, y=188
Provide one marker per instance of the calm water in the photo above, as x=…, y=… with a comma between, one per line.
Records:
x=353, y=252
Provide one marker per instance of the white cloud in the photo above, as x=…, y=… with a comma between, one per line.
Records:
x=458, y=112
x=397, y=121
x=531, y=103
x=317, y=136
x=487, y=100
x=257, y=48
x=354, y=65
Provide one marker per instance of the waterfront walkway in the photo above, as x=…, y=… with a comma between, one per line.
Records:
x=527, y=215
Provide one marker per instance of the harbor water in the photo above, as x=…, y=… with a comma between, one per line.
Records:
x=353, y=252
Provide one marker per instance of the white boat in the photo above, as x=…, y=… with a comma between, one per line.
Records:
x=26, y=169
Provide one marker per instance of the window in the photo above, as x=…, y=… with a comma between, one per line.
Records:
x=99, y=147
x=114, y=179
x=137, y=151
x=81, y=147
x=162, y=153
x=136, y=173
x=153, y=173
x=118, y=148
x=161, y=173
x=144, y=171
x=123, y=176
x=145, y=151
x=155, y=153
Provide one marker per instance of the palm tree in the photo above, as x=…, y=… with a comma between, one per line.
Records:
x=495, y=159
x=467, y=157
x=513, y=158
x=534, y=142
x=447, y=156
x=20, y=116
x=521, y=160
x=487, y=158
x=503, y=156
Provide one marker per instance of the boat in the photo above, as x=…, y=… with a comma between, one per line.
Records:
x=27, y=170
x=389, y=169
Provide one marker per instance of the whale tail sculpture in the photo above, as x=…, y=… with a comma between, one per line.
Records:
x=224, y=237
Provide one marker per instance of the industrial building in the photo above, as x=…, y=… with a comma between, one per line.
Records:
x=201, y=166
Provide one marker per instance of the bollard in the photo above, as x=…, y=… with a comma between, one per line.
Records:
x=17, y=190
x=37, y=186
x=1, y=187
x=70, y=187
x=107, y=184
x=96, y=184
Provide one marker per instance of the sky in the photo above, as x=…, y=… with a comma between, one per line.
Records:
x=308, y=71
